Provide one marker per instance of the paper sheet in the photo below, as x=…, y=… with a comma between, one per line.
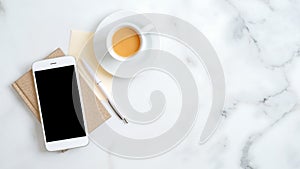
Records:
x=81, y=44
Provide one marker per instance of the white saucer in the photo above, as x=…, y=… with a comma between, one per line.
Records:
x=104, y=58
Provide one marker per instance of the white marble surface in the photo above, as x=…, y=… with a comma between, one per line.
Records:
x=258, y=43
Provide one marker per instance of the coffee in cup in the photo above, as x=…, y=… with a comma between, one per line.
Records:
x=124, y=41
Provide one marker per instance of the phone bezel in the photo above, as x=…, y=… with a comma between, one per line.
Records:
x=51, y=64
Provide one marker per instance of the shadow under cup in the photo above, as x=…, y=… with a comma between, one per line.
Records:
x=124, y=41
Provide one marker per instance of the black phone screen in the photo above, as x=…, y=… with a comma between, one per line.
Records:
x=60, y=103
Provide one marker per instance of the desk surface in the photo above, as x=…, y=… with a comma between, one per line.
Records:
x=258, y=43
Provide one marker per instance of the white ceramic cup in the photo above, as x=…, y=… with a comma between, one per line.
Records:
x=109, y=41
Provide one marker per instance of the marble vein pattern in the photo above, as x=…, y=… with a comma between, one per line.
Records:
x=258, y=44
x=1, y=7
x=275, y=55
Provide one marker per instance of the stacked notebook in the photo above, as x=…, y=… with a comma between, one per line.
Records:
x=95, y=112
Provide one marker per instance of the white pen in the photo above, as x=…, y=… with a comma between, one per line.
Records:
x=103, y=90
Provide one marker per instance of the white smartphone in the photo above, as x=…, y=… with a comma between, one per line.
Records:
x=60, y=104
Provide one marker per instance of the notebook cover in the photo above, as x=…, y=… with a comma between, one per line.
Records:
x=95, y=112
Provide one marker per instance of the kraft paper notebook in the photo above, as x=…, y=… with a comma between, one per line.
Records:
x=95, y=112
